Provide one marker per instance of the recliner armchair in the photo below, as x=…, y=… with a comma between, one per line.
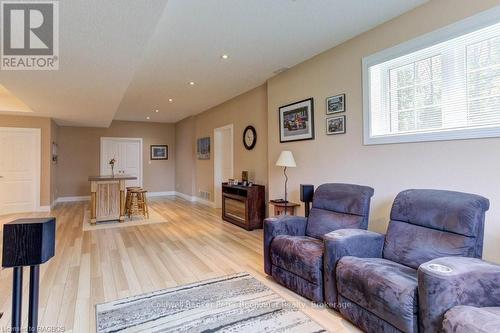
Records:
x=293, y=245
x=462, y=295
x=376, y=275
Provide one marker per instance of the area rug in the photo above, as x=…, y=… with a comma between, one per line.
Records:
x=154, y=217
x=235, y=303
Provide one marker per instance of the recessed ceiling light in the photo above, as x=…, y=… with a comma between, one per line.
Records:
x=191, y=83
x=148, y=118
x=224, y=56
x=157, y=111
x=170, y=100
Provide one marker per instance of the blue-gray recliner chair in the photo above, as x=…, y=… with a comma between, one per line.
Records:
x=463, y=293
x=376, y=275
x=293, y=245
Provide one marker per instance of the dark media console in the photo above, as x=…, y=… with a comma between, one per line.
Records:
x=244, y=205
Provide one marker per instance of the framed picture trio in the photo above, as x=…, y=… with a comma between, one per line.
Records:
x=296, y=120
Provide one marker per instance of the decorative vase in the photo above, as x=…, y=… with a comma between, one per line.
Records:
x=112, y=170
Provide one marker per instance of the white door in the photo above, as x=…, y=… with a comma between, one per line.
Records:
x=223, y=160
x=19, y=170
x=128, y=155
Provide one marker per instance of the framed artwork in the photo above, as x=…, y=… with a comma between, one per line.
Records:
x=296, y=121
x=203, y=148
x=335, y=104
x=335, y=125
x=159, y=152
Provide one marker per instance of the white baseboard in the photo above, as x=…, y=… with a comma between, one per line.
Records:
x=205, y=202
x=72, y=199
x=193, y=198
x=43, y=209
x=186, y=196
x=150, y=194
x=160, y=194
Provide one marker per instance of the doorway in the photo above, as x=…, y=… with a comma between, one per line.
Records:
x=223, y=160
x=127, y=153
x=19, y=170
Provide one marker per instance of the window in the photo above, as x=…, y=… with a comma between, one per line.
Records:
x=441, y=86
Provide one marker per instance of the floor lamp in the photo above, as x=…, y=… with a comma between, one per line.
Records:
x=286, y=160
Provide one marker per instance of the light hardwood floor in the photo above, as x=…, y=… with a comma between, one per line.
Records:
x=98, y=266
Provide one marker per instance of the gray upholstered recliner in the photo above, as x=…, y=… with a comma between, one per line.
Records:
x=376, y=275
x=463, y=293
x=293, y=245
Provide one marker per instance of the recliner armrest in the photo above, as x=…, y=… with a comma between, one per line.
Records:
x=446, y=282
x=354, y=242
x=283, y=225
x=347, y=242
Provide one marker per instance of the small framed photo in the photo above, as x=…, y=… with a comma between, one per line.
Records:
x=297, y=121
x=335, y=104
x=159, y=152
x=335, y=125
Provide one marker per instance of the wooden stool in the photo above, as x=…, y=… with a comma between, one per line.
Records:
x=138, y=203
x=128, y=196
x=143, y=202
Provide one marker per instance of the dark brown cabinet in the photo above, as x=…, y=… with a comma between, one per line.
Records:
x=244, y=205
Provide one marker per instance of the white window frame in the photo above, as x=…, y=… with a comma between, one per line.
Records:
x=468, y=25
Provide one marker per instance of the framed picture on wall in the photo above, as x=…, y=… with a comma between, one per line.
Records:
x=203, y=148
x=335, y=125
x=159, y=152
x=335, y=104
x=296, y=121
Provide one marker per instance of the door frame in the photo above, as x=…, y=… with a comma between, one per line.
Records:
x=38, y=160
x=217, y=176
x=140, y=140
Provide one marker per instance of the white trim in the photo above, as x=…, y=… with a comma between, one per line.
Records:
x=38, y=160
x=192, y=198
x=150, y=194
x=217, y=176
x=160, y=194
x=44, y=209
x=72, y=199
x=205, y=202
x=140, y=140
x=185, y=196
x=465, y=26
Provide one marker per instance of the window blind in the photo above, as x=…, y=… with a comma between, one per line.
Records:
x=441, y=89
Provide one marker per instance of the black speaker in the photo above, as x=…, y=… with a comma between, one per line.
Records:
x=306, y=196
x=28, y=242
x=306, y=192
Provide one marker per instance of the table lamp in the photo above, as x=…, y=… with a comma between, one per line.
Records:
x=286, y=160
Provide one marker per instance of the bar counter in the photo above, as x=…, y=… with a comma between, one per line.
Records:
x=107, y=197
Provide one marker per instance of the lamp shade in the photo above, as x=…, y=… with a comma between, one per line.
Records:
x=286, y=159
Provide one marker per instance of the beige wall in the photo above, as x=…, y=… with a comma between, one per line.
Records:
x=185, y=163
x=469, y=165
x=79, y=155
x=249, y=108
x=45, y=169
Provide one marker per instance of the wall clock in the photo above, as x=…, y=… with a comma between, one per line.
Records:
x=249, y=137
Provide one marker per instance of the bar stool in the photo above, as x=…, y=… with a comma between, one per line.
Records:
x=128, y=196
x=138, y=204
x=143, y=202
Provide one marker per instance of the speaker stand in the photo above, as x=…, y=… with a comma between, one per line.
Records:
x=17, y=298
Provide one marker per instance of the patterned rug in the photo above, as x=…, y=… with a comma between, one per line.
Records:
x=235, y=303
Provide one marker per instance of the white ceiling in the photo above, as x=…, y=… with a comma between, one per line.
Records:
x=122, y=59
x=10, y=103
